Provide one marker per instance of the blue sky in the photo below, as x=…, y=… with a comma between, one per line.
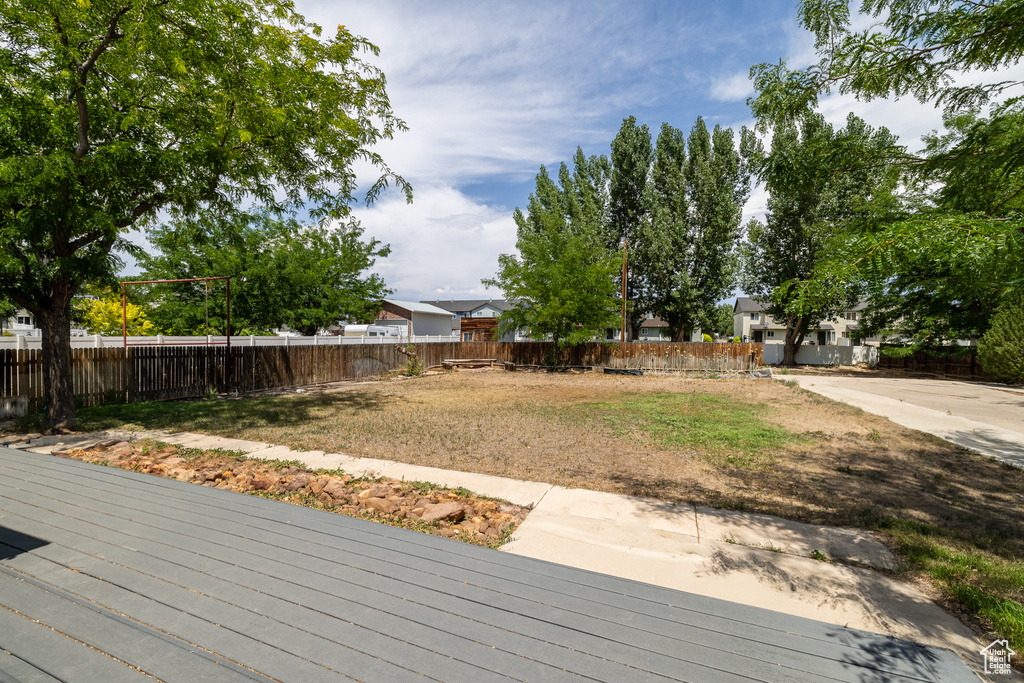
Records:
x=491, y=91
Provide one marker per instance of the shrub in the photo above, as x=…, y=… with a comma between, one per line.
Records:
x=706, y=338
x=736, y=340
x=1001, y=348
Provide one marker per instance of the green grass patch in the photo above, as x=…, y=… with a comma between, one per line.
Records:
x=987, y=584
x=723, y=431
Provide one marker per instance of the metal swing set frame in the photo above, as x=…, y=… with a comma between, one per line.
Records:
x=207, y=280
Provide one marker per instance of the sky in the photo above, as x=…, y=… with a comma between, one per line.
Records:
x=490, y=91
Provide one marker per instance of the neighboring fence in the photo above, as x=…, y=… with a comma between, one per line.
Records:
x=98, y=342
x=152, y=373
x=823, y=355
x=962, y=365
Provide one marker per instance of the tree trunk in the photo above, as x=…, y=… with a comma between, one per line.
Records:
x=794, y=338
x=58, y=388
x=679, y=335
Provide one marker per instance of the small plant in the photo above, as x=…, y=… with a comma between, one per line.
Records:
x=413, y=366
x=792, y=384
x=706, y=338
x=819, y=556
x=783, y=371
x=772, y=548
x=210, y=395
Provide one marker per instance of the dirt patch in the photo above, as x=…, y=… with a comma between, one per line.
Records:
x=456, y=514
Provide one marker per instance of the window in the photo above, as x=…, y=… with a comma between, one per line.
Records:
x=467, y=336
x=754, y=317
x=852, y=315
x=771, y=334
x=24, y=320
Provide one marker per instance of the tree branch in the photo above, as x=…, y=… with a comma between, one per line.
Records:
x=83, y=70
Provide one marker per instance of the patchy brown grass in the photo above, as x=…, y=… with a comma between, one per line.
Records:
x=844, y=466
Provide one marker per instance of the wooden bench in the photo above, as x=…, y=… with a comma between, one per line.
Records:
x=452, y=363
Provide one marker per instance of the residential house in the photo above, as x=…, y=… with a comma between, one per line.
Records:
x=21, y=323
x=652, y=329
x=751, y=323
x=476, y=319
x=415, y=319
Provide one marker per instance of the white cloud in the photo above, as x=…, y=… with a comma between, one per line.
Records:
x=442, y=245
x=734, y=88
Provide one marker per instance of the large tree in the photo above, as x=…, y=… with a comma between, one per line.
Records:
x=686, y=243
x=630, y=164
x=562, y=282
x=938, y=268
x=111, y=111
x=819, y=185
x=283, y=274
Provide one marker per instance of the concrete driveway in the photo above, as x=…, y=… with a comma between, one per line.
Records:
x=985, y=418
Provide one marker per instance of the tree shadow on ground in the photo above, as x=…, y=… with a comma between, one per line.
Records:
x=226, y=415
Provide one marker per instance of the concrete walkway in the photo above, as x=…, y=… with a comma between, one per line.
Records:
x=983, y=418
x=757, y=560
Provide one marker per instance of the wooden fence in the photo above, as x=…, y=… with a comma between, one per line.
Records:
x=153, y=373
x=960, y=365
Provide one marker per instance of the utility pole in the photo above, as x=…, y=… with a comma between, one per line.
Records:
x=624, y=251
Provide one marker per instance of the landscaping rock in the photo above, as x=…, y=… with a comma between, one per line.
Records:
x=382, y=505
x=478, y=521
x=297, y=482
x=336, y=490
x=449, y=512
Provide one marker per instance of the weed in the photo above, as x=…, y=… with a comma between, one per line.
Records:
x=772, y=548
x=819, y=556
x=210, y=395
x=791, y=383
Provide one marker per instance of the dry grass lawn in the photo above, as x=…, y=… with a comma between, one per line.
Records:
x=808, y=458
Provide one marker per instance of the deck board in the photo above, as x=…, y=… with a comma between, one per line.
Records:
x=300, y=594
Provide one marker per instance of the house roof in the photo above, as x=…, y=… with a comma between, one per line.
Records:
x=455, y=305
x=654, y=322
x=417, y=307
x=745, y=304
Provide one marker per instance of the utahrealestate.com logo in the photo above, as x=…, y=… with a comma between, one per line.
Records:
x=997, y=657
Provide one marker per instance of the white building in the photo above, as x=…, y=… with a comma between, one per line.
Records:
x=415, y=319
x=752, y=324
x=21, y=323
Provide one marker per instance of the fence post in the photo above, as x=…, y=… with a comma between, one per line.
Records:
x=97, y=341
x=160, y=339
x=252, y=340
x=21, y=343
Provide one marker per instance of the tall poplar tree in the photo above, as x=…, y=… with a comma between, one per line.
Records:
x=686, y=246
x=631, y=163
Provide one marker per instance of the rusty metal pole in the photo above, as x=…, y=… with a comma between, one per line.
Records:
x=124, y=314
x=624, y=249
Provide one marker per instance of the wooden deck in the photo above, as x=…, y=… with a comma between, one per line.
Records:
x=109, y=576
